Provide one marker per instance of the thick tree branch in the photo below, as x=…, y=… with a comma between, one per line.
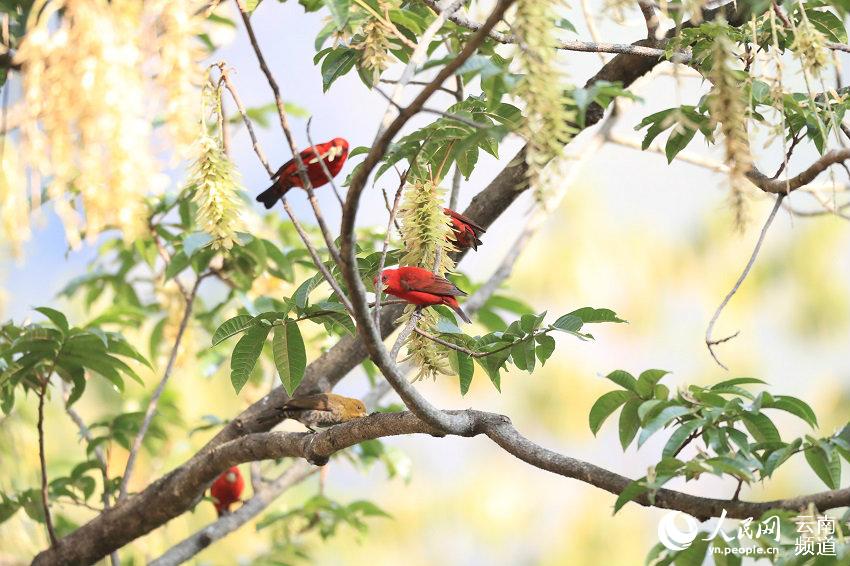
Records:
x=187, y=480
x=783, y=186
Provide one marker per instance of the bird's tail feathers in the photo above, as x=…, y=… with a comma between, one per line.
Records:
x=271, y=195
x=456, y=307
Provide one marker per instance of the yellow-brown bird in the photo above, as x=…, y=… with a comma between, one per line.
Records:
x=323, y=409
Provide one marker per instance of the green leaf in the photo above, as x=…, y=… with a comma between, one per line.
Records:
x=302, y=293
x=761, y=427
x=491, y=366
x=629, y=422
x=545, y=347
x=694, y=555
x=679, y=138
x=827, y=467
x=645, y=386
x=738, y=381
x=232, y=327
x=568, y=323
x=339, y=11
x=123, y=348
x=522, y=353
x=604, y=406
x=56, y=317
x=624, y=379
x=290, y=356
x=178, y=263
x=337, y=63
x=633, y=490
x=463, y=365
x=795, y=407
x=828, y=24
x=661, y=420
x=679, y=436
x=8, y=507
x=245, y=355
x=589, y=315
x=195, y=241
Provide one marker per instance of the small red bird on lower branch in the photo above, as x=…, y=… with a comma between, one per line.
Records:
x=466, y=232
x=421, y=287
x=333, y=153
x=227, y=489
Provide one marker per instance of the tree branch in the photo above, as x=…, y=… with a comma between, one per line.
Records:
x=782, y=186
x=193, y=476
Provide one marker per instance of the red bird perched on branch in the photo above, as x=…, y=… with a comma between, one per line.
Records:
x=226, y=490
x=467, y=232
x=333, y=153
x=421, y=287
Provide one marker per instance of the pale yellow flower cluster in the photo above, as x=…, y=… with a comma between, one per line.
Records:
x=14, y=223
x=216, y=183
x=548, y=116
x=89, y=68
x=728, y=109
x=426, y=232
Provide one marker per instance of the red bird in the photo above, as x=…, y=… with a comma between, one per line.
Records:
x=467, y=232
x=421, y=287
x=333, y=153
x=226, y=490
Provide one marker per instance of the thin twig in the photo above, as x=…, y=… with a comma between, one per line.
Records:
x=166, y=258
x=321, y=159
x=469, y=352
x=248, y=124
x=405, y=333
x=379, y=286
x=692, y=158
x=456, y=179
x=738, y=489
x=591, y=25
x=448, y=115
x=314, y=254
x=45, y=501
x=711, y=342
x=787, y=155
x=154, y=400
x=420, y=83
